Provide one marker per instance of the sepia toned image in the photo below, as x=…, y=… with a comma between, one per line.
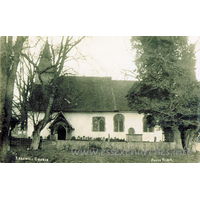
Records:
x=100, y=99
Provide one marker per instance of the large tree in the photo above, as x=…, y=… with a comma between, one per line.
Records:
x=167, y=89
x=11, y=49
x=51, y=61
x=23, y=87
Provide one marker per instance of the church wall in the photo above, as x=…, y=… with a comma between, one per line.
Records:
x=82, y=123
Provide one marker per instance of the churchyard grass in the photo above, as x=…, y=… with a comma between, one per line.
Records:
x=22, y=155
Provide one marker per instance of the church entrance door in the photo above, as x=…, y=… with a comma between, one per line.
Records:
x=61, y=133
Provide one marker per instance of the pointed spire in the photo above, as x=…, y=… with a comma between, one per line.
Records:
x=45, y=63
x=45, y=58
x=46, y=51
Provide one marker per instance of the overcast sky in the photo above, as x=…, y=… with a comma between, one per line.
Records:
x=110, y=55
x=106, y=56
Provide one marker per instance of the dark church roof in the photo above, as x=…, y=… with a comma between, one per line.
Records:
x=84, y=94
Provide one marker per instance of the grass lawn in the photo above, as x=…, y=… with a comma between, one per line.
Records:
x=21, y=155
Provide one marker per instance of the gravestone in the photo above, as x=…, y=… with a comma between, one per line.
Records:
x=52, y=137
x=131, y=130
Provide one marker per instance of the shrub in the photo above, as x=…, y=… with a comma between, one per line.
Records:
x=66, y=147
x=93, y=146
x=73, y=138
x=78, y=138
x=9, y=158
x=117, y=140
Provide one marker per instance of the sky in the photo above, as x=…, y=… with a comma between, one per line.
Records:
x=110, y=56
x=193, y=39
x=106, y=56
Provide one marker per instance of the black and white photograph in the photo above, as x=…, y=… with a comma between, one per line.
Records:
x=100, y=99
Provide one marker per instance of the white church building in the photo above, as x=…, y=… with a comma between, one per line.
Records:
x=89, y=107
x=93, y=107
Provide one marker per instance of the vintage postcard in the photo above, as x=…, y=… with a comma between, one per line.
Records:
x=98, y=99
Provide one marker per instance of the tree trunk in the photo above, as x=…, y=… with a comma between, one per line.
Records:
x=36, y=139
x=187, y=141
x=41, y=124
x=5, y=145
x=191, y=139
x=9, y=62
x=177, y=138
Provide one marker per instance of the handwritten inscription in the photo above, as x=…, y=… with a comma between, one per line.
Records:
x=162, y=160
x=32, y=159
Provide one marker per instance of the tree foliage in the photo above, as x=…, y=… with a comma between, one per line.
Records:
x=167, y=89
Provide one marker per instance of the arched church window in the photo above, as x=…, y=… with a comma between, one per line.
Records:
x=98, y=124
x=119, y=123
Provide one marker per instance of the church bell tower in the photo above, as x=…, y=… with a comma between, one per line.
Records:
x=45, y=68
